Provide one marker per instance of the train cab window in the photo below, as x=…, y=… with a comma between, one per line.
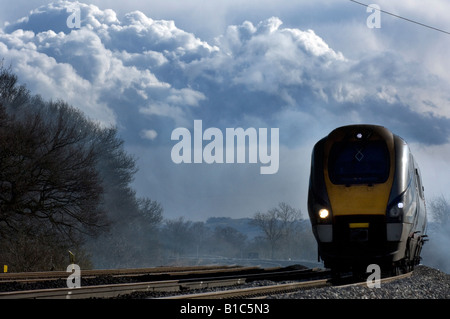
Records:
x=358, y=163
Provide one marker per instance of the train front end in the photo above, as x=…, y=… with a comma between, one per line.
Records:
x=363, y=200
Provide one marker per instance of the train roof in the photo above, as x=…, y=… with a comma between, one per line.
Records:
x=362, y=130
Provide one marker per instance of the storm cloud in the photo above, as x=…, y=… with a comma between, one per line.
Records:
x=147, y=76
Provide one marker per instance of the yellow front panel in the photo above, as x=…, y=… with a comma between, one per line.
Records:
x=358, y=199
x=358, y=225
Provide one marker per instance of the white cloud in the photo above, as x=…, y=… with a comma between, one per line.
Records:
x=154, y=68
x=149, y=134
x=44, y=75
x=104, y=63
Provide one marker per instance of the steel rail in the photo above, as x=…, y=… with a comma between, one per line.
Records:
x=54, y=275
x=103, y=291
x=382, y=280
x=255, y=292
x=116, y=290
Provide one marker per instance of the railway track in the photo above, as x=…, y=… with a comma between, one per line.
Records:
x=185, y=281
x=133, y=272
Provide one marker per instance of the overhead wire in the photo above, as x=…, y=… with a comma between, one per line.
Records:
x=400, y=17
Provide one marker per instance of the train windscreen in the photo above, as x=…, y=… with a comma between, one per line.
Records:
x=358, y=163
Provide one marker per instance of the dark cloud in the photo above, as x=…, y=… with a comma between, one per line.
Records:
x=424, y=128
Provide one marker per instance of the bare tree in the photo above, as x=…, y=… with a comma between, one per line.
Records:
x=270, y=225
x=435, y=252
x=440, y=208
x=177, y=236
x=48, y=177
x=277, y=224
x=50, y=189
x=10, y=91
x=63, y=179
x=229, y=241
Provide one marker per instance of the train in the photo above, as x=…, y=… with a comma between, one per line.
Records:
x=366, y=201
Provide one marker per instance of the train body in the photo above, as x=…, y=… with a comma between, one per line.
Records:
x=366, y=200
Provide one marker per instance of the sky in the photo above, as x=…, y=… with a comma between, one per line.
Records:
x=302, y=67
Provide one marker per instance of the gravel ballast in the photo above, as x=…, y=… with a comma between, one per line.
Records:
x=425, y=283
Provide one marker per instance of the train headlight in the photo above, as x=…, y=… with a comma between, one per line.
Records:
x=324, y=213
x=396, y=210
